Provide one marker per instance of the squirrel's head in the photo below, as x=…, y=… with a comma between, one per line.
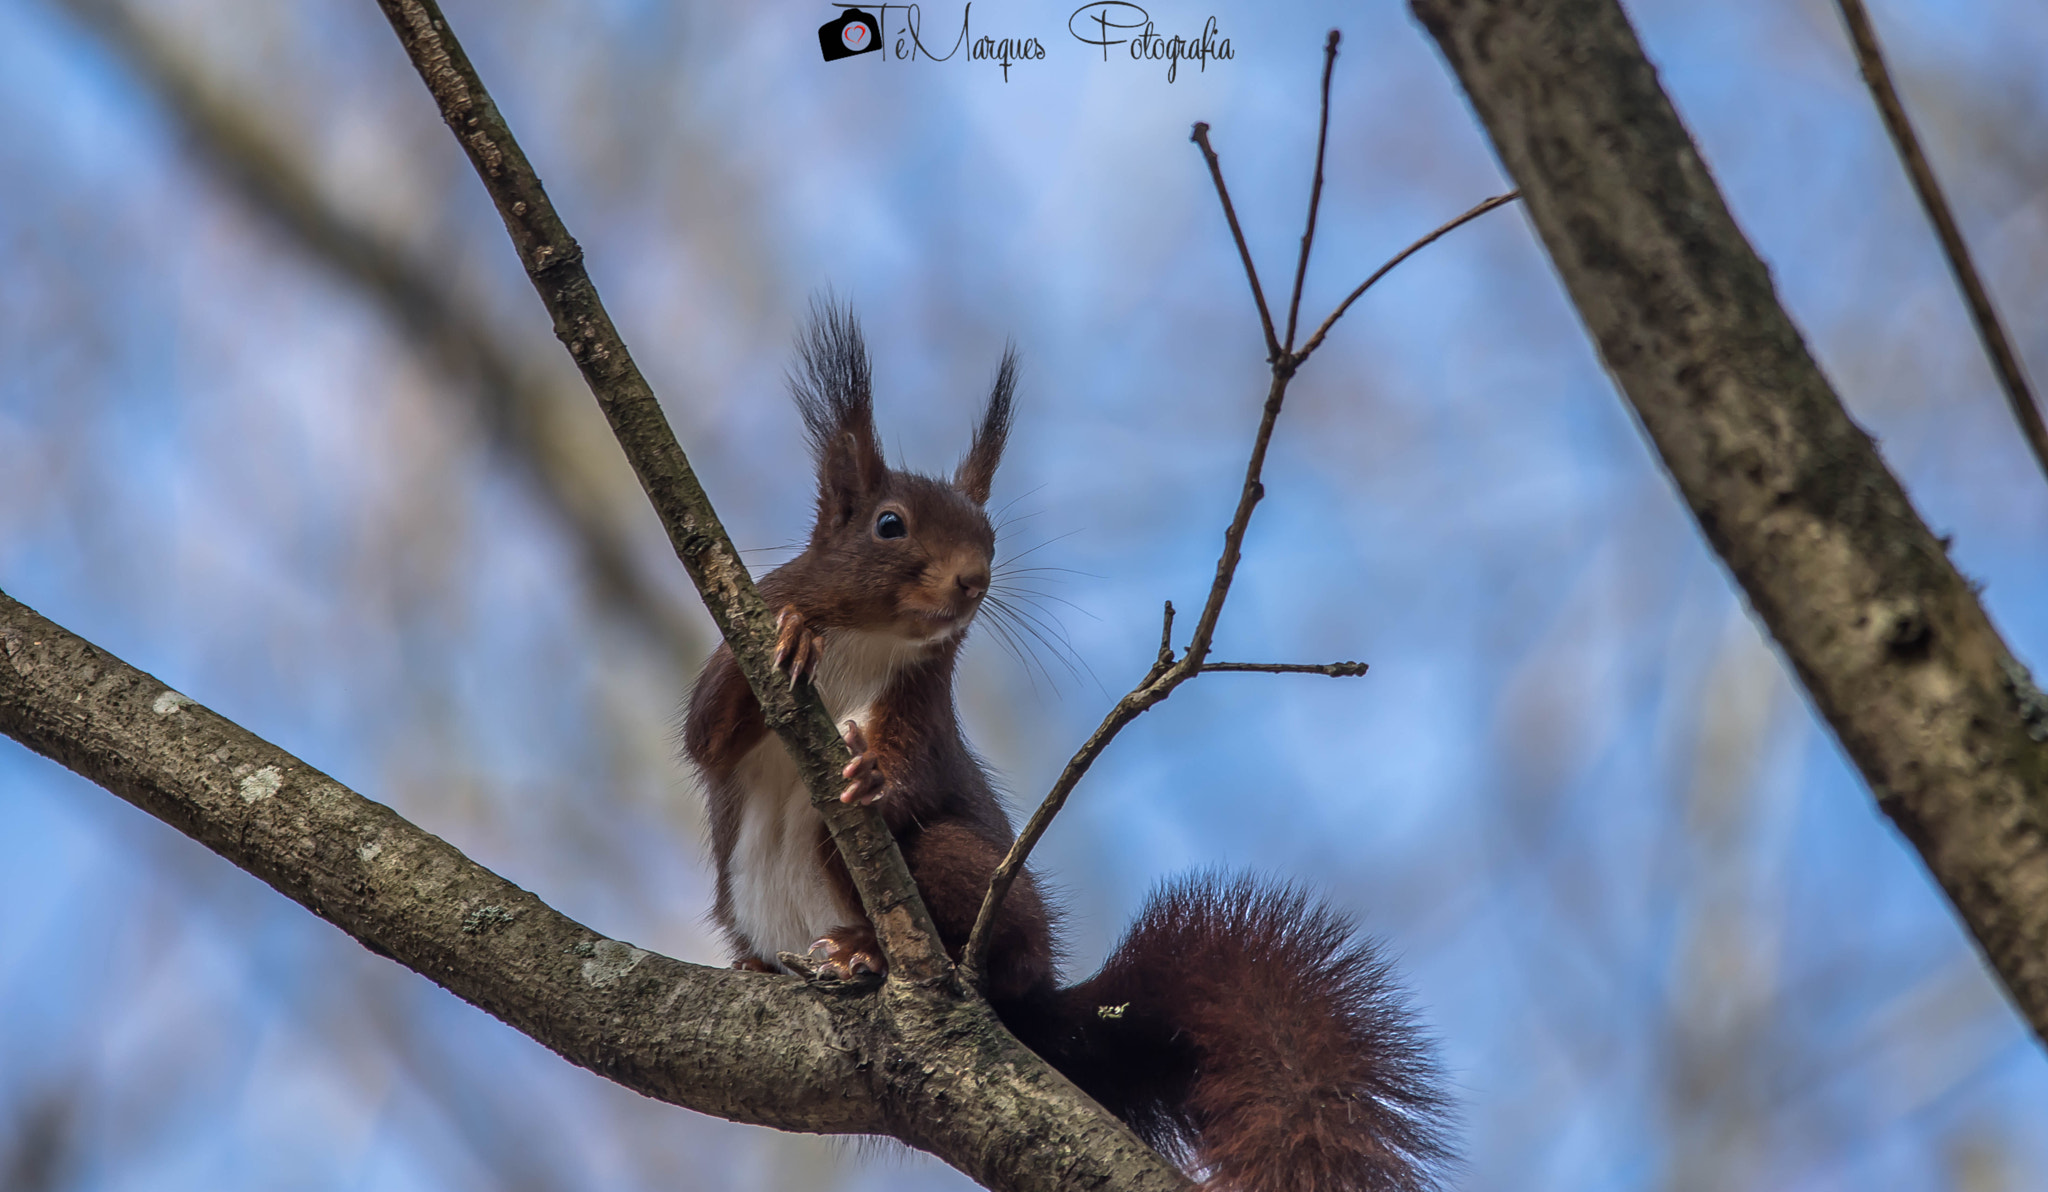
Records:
x=897, y=550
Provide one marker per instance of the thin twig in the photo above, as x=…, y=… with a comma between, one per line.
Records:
x=1165, y=658
x=554, y=263
x=2004, y=360
x=1336, y=670
x=1200, y=136
x=1315, y=341
x=1315, y=192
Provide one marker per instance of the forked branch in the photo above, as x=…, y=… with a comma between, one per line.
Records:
x=1167, y=672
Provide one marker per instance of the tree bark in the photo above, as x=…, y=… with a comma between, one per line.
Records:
x=939, y=1074
x=1889, y=640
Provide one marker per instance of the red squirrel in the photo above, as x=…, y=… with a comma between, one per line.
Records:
x=1239, y=1027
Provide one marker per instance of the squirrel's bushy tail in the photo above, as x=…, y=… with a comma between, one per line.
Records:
x=1250, y=1032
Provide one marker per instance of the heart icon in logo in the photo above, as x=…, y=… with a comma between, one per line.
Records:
x=854, y=31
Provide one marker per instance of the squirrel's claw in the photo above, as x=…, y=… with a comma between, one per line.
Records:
x=753, y=964
x=863, y=773
x=850, y=952
x=797, y=649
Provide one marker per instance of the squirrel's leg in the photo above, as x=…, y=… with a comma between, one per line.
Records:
x=753, y=964
x=951, y=865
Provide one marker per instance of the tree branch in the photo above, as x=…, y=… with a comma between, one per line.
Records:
x=1201, y=137
x=1167, y=673
x=1888, y=639
x=738, y=1045
x=1315, y=341
x=938, y=1073
x=2004, y=360
x=1315, y=190
x=554, y=262
x=1335, y=670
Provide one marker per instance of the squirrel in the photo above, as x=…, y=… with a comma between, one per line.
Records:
x=1240, y=1027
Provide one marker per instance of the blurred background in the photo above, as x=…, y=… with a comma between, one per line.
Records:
x=282, y=423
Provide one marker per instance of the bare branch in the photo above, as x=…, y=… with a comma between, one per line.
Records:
x=1165, y=658
x=678, y=1032
x=1158, y=683
x=1276, y=393
x=1336, y=670
x=1315, y=341
x=1201, y=137
x=1888, y=639
x=554, y=262
x=2004, y=360
x=974, y=957
x=1167, y=673
x=1315, y=191
x=522, y=410
x=750, y=1047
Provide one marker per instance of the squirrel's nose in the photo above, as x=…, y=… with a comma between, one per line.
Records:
x=973, y=583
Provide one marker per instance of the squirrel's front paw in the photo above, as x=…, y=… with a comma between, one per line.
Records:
x=797, y=648
x=863, y=774
x=850, y=952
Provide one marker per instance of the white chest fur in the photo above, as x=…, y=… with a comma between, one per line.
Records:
x=781, y=901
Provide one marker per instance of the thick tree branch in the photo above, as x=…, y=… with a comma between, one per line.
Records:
x=738, y=1045
x=523, y=412
x=554, y=262
x=1888, y=639
x=1997, y=345
x=938, y=1073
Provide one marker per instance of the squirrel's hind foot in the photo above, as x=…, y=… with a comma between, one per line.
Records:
x=850, y=953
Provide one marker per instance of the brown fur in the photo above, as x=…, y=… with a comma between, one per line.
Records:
x=1238, y=1025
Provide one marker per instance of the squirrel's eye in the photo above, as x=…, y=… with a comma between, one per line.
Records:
x=890, y=525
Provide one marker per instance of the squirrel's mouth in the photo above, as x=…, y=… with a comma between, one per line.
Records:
x=934, y=625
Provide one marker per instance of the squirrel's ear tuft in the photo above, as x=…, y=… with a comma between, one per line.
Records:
x=831, y=384
x=977, y=471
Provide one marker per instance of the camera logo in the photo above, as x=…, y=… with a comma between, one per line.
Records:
x=855, y=32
